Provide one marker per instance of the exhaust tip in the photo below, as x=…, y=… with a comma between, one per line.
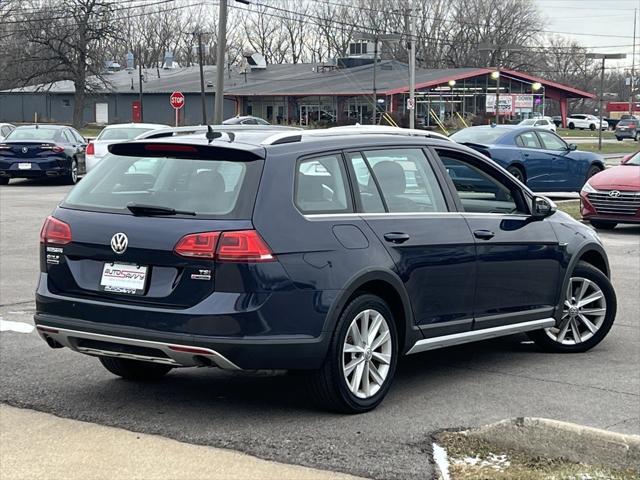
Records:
x=52, y=343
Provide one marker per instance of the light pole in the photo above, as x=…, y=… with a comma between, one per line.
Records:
x=496, y=76
x=536, y=86
x=452, y=83
x=604, y=57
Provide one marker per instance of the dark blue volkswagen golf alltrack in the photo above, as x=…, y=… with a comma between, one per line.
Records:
x=335, y=252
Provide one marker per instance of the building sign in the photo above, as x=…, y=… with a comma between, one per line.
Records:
x=506, y=104
x=523, y=101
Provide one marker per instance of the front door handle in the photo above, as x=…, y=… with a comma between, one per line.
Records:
x=396, y=237
x=484, y=234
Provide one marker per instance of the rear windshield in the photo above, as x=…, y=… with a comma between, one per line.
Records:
x=484, y=136
x=35, y=134
x=627, y=121
x=207, y=188
x=121, y=133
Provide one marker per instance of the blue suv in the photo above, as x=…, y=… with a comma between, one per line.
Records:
x=333, y=251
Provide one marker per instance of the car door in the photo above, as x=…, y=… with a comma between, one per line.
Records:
x=400, y=196
x=537, y=161
x=73, y=149
x=564, y=169
x=81, y=145
x=518, y=259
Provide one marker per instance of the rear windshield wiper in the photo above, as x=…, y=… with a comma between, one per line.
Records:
x=151, y=210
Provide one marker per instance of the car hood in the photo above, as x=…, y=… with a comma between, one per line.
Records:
x=622, y=176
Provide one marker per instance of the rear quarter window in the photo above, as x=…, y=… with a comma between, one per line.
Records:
x=210, y=188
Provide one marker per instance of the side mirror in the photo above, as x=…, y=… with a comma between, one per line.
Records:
x=542, y=207
x=572, y=147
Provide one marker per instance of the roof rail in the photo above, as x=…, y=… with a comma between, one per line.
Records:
x=196, y=129
x=291, y=137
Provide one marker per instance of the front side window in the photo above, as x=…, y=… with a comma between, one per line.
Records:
x=406, y=180
x=551, y=142
x=478, y=190
x=320, y=185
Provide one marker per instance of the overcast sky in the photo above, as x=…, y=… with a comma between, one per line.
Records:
x=596, y=23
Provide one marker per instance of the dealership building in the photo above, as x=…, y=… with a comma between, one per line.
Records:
x=305, y=93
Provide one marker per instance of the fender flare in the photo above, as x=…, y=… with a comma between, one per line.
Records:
x=357, y=281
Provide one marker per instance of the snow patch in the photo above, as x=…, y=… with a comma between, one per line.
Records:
x=441, y=460
x=20, y=327
x=497, y=462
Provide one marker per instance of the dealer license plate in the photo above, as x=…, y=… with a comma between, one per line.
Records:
x=123, y=278
x=24, y=166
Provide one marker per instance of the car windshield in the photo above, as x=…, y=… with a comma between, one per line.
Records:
x=484, y=136
x=204, y=187
x=121, y=133
x=531, y=121
x=634, y=161
x=38, y=134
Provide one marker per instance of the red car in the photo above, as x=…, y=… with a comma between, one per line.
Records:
x=613, y=195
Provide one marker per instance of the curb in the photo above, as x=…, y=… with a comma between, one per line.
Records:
x=553, y=438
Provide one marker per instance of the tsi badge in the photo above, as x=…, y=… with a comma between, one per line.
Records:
x=201, y=275
x=119, y=243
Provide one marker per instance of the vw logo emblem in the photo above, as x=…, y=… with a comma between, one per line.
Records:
x=119, y=243
x=614, y=193
x=25, y=149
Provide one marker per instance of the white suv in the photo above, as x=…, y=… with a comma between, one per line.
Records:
x=583, y=121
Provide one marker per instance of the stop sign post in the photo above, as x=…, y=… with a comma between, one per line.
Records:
x=176, y=100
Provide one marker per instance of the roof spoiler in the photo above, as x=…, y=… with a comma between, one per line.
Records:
x=204, y=129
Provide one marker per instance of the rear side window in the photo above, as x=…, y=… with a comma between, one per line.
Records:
x=528, y=140
x=320, y=185
x=207, y=188
x=406, y=180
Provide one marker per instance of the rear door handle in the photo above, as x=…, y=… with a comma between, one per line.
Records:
x=396, y=237
x=484, y=234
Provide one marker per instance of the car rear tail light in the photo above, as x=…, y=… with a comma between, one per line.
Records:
x=198, y=245
x=91, y=149
x=51, y=146
x=243, y=245
x=55, y=231
x=238, y=246
x=184, y=349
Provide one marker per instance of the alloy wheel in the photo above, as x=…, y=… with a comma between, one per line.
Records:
x=74, y=171
x=583, y=313
x=366, y=353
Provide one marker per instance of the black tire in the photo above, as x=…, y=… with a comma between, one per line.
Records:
x=518, y=173
x=619, y=139
x=71, y=178
x=592, y=127
x=603, y=225
x=134, y=369
x=572, y=126
x=4, y=181
x=328, y=384
x=637, y=137
x=584, y=270
x=593, y=169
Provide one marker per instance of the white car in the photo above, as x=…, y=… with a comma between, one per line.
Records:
x=6, y=129
x=544, y=123
x=583, y=121
x=113, y=134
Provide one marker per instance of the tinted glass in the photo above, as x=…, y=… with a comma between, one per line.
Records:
x=210, y=188
x=406, y=179
x=622, y=123
x=320, y=185
x=479, y=192
x=635, y=160
x=528, y=140
x=37, y=134
x=369, y=195
x=486, y=136
x=527, y=122
x=121, y=133
x=68, y=136
x=551, y=142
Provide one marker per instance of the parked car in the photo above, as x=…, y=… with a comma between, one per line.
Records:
x=538, y=158
x=245, y=120
x=5, y=129
x=613, y=196
x=543, y=123
x=37, y=151
x=113, y=134
x=557, y=121
x=584, y=122
x=394, y=244
x=628, y=128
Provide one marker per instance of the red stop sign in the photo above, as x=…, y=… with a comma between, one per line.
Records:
x=177, y=100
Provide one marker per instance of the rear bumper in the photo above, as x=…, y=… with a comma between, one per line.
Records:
x=34, y=172
x=181, y=350
x=625, y=133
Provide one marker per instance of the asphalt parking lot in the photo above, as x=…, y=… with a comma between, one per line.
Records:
x=271, y=416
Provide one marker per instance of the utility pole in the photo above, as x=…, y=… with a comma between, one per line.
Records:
x=375, y=69
x=604, y=57
x=220, y=57
x=140, y=80
x=202, y=95
x=410, y=23
x=633, y=65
